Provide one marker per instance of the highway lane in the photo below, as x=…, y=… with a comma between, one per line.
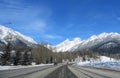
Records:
x=39, y=74
x=16, y=72
x=62, y=72
x=91, y=72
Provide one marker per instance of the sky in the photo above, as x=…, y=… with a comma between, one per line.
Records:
x=54, y=21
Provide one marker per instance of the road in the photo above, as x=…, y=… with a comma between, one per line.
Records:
x=60, y=71
x=91, y=72
x=23, y=71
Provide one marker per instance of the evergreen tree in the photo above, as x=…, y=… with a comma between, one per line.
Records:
x=6, y=55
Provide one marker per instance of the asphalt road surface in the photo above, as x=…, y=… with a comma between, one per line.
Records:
x=60, y=71
x=23, y=71
x=91, y=72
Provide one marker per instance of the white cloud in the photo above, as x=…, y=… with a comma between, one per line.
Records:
x=118, y=18
x=30, y=18
x=53, y=36
x=20, y=9
x=39, y=26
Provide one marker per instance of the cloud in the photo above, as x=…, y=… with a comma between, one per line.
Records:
x=53, y=36
x=30, y=18
x=21, y=9
x=38, y=26
x=118, y=18
x=11, y=4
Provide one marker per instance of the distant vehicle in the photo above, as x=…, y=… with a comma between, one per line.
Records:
x=55, y=63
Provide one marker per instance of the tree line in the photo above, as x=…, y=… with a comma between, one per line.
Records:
x=40, y=54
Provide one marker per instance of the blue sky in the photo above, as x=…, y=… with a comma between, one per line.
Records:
x=56, y=20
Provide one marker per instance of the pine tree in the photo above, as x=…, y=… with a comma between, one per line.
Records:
x=6, y=55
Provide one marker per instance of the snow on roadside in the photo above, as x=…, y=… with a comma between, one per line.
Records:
x=103, y=61
x=20, y=66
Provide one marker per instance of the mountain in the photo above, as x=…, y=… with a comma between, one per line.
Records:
x=67, y=44
x=105, y=42
x=17, y=39
x=64, y=46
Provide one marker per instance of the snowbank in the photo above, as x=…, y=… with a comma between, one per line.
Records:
x=20, y=66
x=106, y=59
x=103, y=61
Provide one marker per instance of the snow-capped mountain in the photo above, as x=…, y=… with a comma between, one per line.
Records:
x=104, y=41
x=17, y=38
x=96, y=42
x=66, y=45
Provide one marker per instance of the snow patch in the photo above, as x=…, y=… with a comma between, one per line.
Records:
x=20, y=66
x=103, y=61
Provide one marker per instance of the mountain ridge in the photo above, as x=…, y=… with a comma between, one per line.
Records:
x=89, y=43
x=102, y=42
x=17, y=38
